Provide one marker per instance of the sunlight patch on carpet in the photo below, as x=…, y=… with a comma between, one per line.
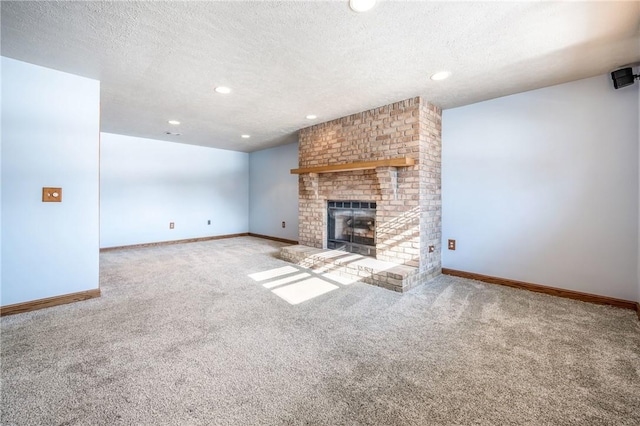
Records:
x=286, y=280
x=273, y=273
x=304, y=290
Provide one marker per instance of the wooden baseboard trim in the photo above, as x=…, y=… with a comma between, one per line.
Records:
x=553, y=291
x=166, y=243
x=280, y=240
x=34, y=305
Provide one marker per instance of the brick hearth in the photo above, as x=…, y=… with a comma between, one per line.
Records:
x=408, y=215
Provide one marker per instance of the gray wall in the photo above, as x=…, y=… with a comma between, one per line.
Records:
x=145, y=184
x=50, y=137
x=542, y=187
x=274, y=192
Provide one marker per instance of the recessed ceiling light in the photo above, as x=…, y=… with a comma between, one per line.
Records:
x=440, y=75
x=361, y=5
x=174, y=122
x=245, y=136
x=311, y=117
x=222, y=89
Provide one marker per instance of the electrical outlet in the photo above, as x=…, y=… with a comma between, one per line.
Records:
x=51, y=195
x=209, y=222
x=283, y=224
x=452, y=244
x=432, y=249
x=170, y=225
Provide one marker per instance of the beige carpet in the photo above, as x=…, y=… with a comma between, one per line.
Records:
x=222, y=332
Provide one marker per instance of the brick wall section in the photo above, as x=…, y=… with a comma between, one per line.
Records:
x=408, y=198
x=430, y=189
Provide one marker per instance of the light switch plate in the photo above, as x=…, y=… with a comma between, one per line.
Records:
x=51, y=195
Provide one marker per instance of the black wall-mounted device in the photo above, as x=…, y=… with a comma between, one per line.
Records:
x=623, y=77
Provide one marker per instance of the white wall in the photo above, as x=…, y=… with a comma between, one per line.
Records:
x=50, y=137
x=542, y=187
x=145, y=184
x=274, y=192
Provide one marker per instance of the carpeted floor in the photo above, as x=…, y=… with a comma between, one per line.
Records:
x=206, y=333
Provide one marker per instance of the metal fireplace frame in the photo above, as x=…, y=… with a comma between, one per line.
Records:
x=352, y=245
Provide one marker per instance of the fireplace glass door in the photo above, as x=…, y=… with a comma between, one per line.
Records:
x=352, y=226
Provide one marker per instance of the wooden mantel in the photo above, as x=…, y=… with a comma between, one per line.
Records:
x=361, y=165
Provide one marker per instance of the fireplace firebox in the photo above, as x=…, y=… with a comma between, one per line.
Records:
x=352, y=226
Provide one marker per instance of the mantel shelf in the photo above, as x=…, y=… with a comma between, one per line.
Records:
x=362, y=165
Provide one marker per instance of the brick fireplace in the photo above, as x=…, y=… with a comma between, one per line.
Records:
x=407, y=196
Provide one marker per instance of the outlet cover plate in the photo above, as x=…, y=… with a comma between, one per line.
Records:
x=51, y=195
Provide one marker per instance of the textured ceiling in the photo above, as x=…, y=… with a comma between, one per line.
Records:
x=161, y=60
